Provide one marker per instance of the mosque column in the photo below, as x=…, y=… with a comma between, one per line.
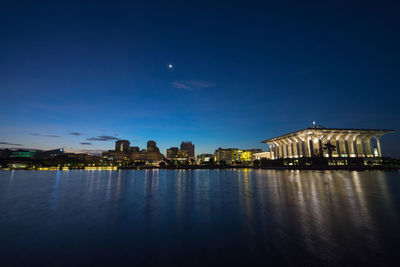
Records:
x=350, y=144
x=347, y=147
x=363, y=145
x=307, y=147
x=270, y=150
x=338, y=147
x=367, y=142
x=298, y=146
x=378, y=144
x=291, y=150
x=320, y=146
x=357, y=150
x=302, y=148
x=342, y=144
x=273, y=154
x=354, y=147
x=286, y=150
x=295, y=148
x=279, y=150
x=359, y=145
x=276, y=150
x=273, y=150
x=310, y=147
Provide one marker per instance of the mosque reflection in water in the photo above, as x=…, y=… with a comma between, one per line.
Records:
x=256, y=215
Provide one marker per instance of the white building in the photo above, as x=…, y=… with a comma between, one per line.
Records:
x=312, y=141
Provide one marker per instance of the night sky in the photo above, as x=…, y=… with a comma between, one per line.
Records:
x=79, y=75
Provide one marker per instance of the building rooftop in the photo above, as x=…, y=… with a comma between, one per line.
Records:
x=322, y=129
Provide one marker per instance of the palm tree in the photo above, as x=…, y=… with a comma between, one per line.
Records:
x=329, y=148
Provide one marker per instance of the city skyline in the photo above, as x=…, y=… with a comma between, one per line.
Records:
x=216, y=74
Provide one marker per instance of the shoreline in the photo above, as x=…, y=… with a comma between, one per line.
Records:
x=311, y=168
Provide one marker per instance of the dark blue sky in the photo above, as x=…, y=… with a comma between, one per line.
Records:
x=243, y=71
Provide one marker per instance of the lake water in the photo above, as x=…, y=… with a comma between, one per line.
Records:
x=238, y=217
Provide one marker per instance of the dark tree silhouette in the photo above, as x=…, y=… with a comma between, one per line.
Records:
x=329, y=148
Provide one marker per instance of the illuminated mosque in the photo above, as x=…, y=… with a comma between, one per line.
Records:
x=326, y=142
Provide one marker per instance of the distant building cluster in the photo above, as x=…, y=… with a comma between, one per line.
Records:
x=179, y=155
x=182, y=154
x=123, y=151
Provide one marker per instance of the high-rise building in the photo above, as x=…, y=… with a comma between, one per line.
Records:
x=189, y=147
x=152, y=146
x=122, y=146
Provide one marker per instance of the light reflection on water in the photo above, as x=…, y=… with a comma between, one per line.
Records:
x=178, y=217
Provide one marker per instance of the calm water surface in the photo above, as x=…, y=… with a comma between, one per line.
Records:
x=200, y=217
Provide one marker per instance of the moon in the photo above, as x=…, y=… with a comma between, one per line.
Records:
x=170, y=66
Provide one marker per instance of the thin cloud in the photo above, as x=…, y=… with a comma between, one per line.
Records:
x=102, y=138
x=181, y=85
x=47, y=135
x=193, y=85
x=75, y=133
x=10, y=144
x=86, y=143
